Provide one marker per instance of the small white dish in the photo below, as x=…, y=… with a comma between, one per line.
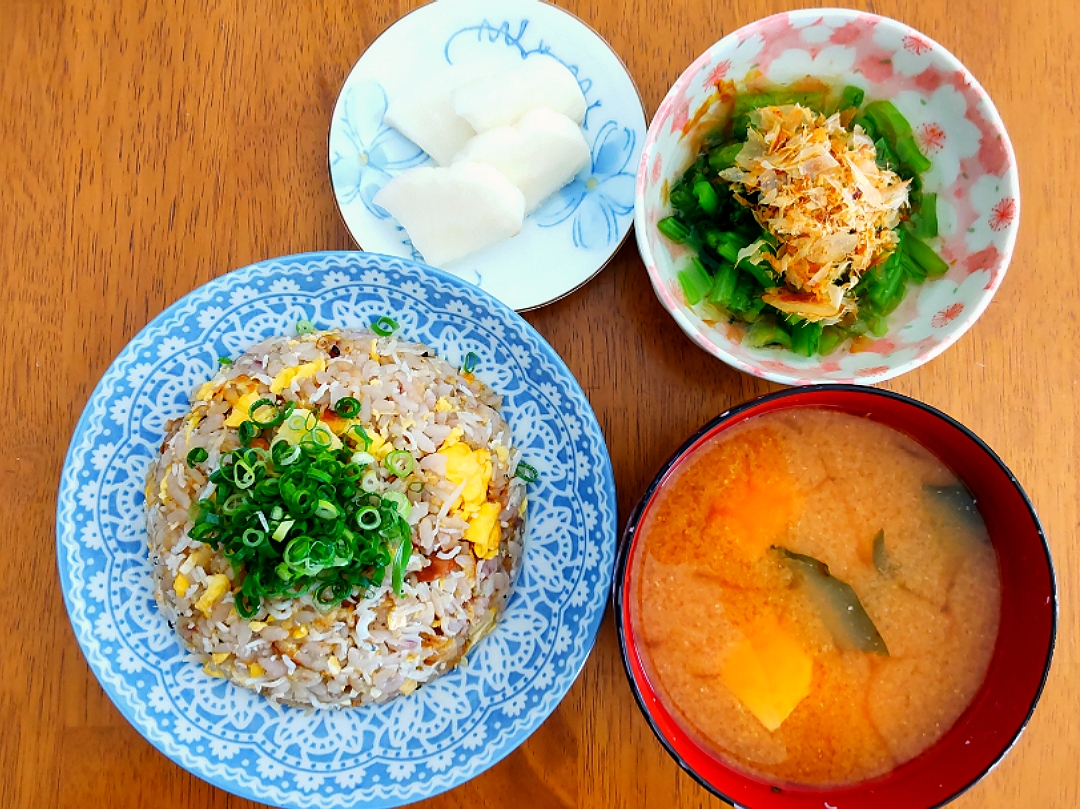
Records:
x=577, y=230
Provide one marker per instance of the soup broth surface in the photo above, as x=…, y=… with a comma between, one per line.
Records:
x=817, y=597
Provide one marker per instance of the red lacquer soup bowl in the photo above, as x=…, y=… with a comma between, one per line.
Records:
x=1021, y=659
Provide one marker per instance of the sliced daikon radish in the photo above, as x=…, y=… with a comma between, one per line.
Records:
x=539, y=154
x=425, y=112
x=504, y=98
x=451, y=212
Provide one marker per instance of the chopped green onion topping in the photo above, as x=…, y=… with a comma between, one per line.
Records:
x=362, y=459
x=253, y=537
x=196, y=456
x=359, y=434
x=402, y=553
x=302, y=422
x=271, y=414
x=400, y=501
x=283, y=454
x=293, y=520
x=247, y=432
x=368, y=518
x=527, y=472
x=318, y=437
x=347, y=407
x=326, y=510
x=384, y=326
x=224, y=361
x=399, y=462
x=304, y=327
x=470, y=362
x=370, y=481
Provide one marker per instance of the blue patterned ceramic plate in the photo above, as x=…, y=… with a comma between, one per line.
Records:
x=388, y=755
x=577, y=231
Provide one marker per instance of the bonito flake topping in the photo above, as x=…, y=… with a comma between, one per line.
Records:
x=818, y=188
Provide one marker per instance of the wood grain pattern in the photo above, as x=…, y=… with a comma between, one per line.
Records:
x=148, y=147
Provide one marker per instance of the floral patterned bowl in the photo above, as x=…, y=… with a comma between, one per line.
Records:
x=973, y=173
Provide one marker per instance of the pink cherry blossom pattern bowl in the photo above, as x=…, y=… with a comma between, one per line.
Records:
x=973, y=173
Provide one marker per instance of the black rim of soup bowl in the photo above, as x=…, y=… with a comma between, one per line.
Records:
x=627, y=540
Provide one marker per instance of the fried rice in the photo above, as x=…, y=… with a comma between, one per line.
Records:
x=377, y=644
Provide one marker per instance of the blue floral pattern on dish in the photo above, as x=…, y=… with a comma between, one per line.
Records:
x=485, y=33
x=597, y=202
x=371, y=152
x=378, y=756
x=600, y=195
x=604, y=191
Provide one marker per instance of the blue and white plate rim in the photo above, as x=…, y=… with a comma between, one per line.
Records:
x=545, y=47
x=66, y=483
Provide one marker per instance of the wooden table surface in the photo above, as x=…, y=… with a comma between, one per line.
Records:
x=149, y=147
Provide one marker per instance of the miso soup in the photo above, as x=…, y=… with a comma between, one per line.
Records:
x=816, y=597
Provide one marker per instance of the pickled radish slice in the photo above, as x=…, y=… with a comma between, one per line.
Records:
x=425, y=112
x=540, y=154
x=452, y=212
x=504, y=98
